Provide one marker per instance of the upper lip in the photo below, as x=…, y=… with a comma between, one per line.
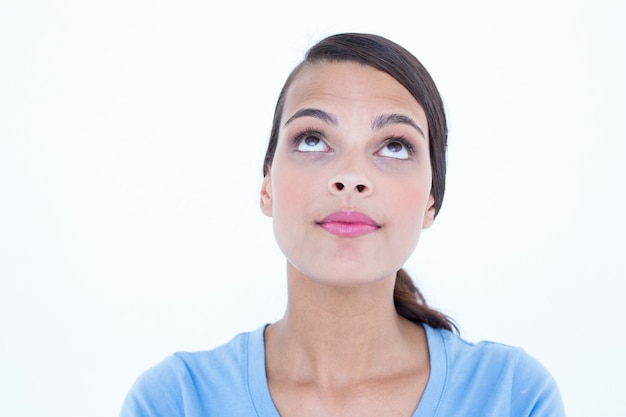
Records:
x=349, y=217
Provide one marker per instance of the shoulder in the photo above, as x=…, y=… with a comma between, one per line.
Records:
x=188, y=381
x=495, y=357
x=505, y=376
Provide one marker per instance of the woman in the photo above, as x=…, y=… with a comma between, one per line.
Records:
x=354, y=170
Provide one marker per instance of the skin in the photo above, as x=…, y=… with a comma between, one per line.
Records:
x=341, y=349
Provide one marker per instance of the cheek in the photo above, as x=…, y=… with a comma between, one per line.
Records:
x=293, y=211
x=413, y=193
x=414, y=202
x=411, y=205
x=294, y=200
x=288, y=191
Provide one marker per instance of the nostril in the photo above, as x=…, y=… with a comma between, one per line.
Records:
x=360, y=188
x=339, y=186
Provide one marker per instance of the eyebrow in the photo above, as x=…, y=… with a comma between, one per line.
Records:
x=326, y=117
x=378, y=123
x=383, y=120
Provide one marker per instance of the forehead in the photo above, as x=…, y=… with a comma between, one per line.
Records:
x=350, y=85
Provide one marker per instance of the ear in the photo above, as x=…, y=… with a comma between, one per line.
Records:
x=266, y=196
x=429, y=216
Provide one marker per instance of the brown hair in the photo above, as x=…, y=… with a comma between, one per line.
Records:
x=389, y=57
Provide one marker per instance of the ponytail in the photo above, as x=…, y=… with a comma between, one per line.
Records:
x=411, y=305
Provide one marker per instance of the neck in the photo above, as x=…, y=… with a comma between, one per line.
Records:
x=333, y=335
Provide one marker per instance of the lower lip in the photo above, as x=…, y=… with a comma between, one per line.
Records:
x=348, y=229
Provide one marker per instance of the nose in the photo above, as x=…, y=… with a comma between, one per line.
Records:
x=340, y=186
x=350, y=182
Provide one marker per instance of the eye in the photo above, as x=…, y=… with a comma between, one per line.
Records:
x=397, y=148
x=310, y=142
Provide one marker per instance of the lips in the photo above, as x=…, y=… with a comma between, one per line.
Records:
x=349, y=224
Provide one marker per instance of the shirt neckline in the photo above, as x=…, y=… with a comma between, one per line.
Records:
x=259, y=392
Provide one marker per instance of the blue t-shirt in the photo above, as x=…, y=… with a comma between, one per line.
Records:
x=466, y=380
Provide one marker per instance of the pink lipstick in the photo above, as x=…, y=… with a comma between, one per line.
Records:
x=348, y=224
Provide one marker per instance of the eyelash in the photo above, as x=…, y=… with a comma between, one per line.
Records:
x=401, y=139
x=302, y=134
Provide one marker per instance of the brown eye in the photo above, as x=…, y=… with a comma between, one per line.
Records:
x=396, y=148
x=311, y=143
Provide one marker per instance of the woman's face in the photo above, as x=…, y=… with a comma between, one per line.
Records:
x=349, y=189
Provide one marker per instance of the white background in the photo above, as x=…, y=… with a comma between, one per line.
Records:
x=131, y=141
